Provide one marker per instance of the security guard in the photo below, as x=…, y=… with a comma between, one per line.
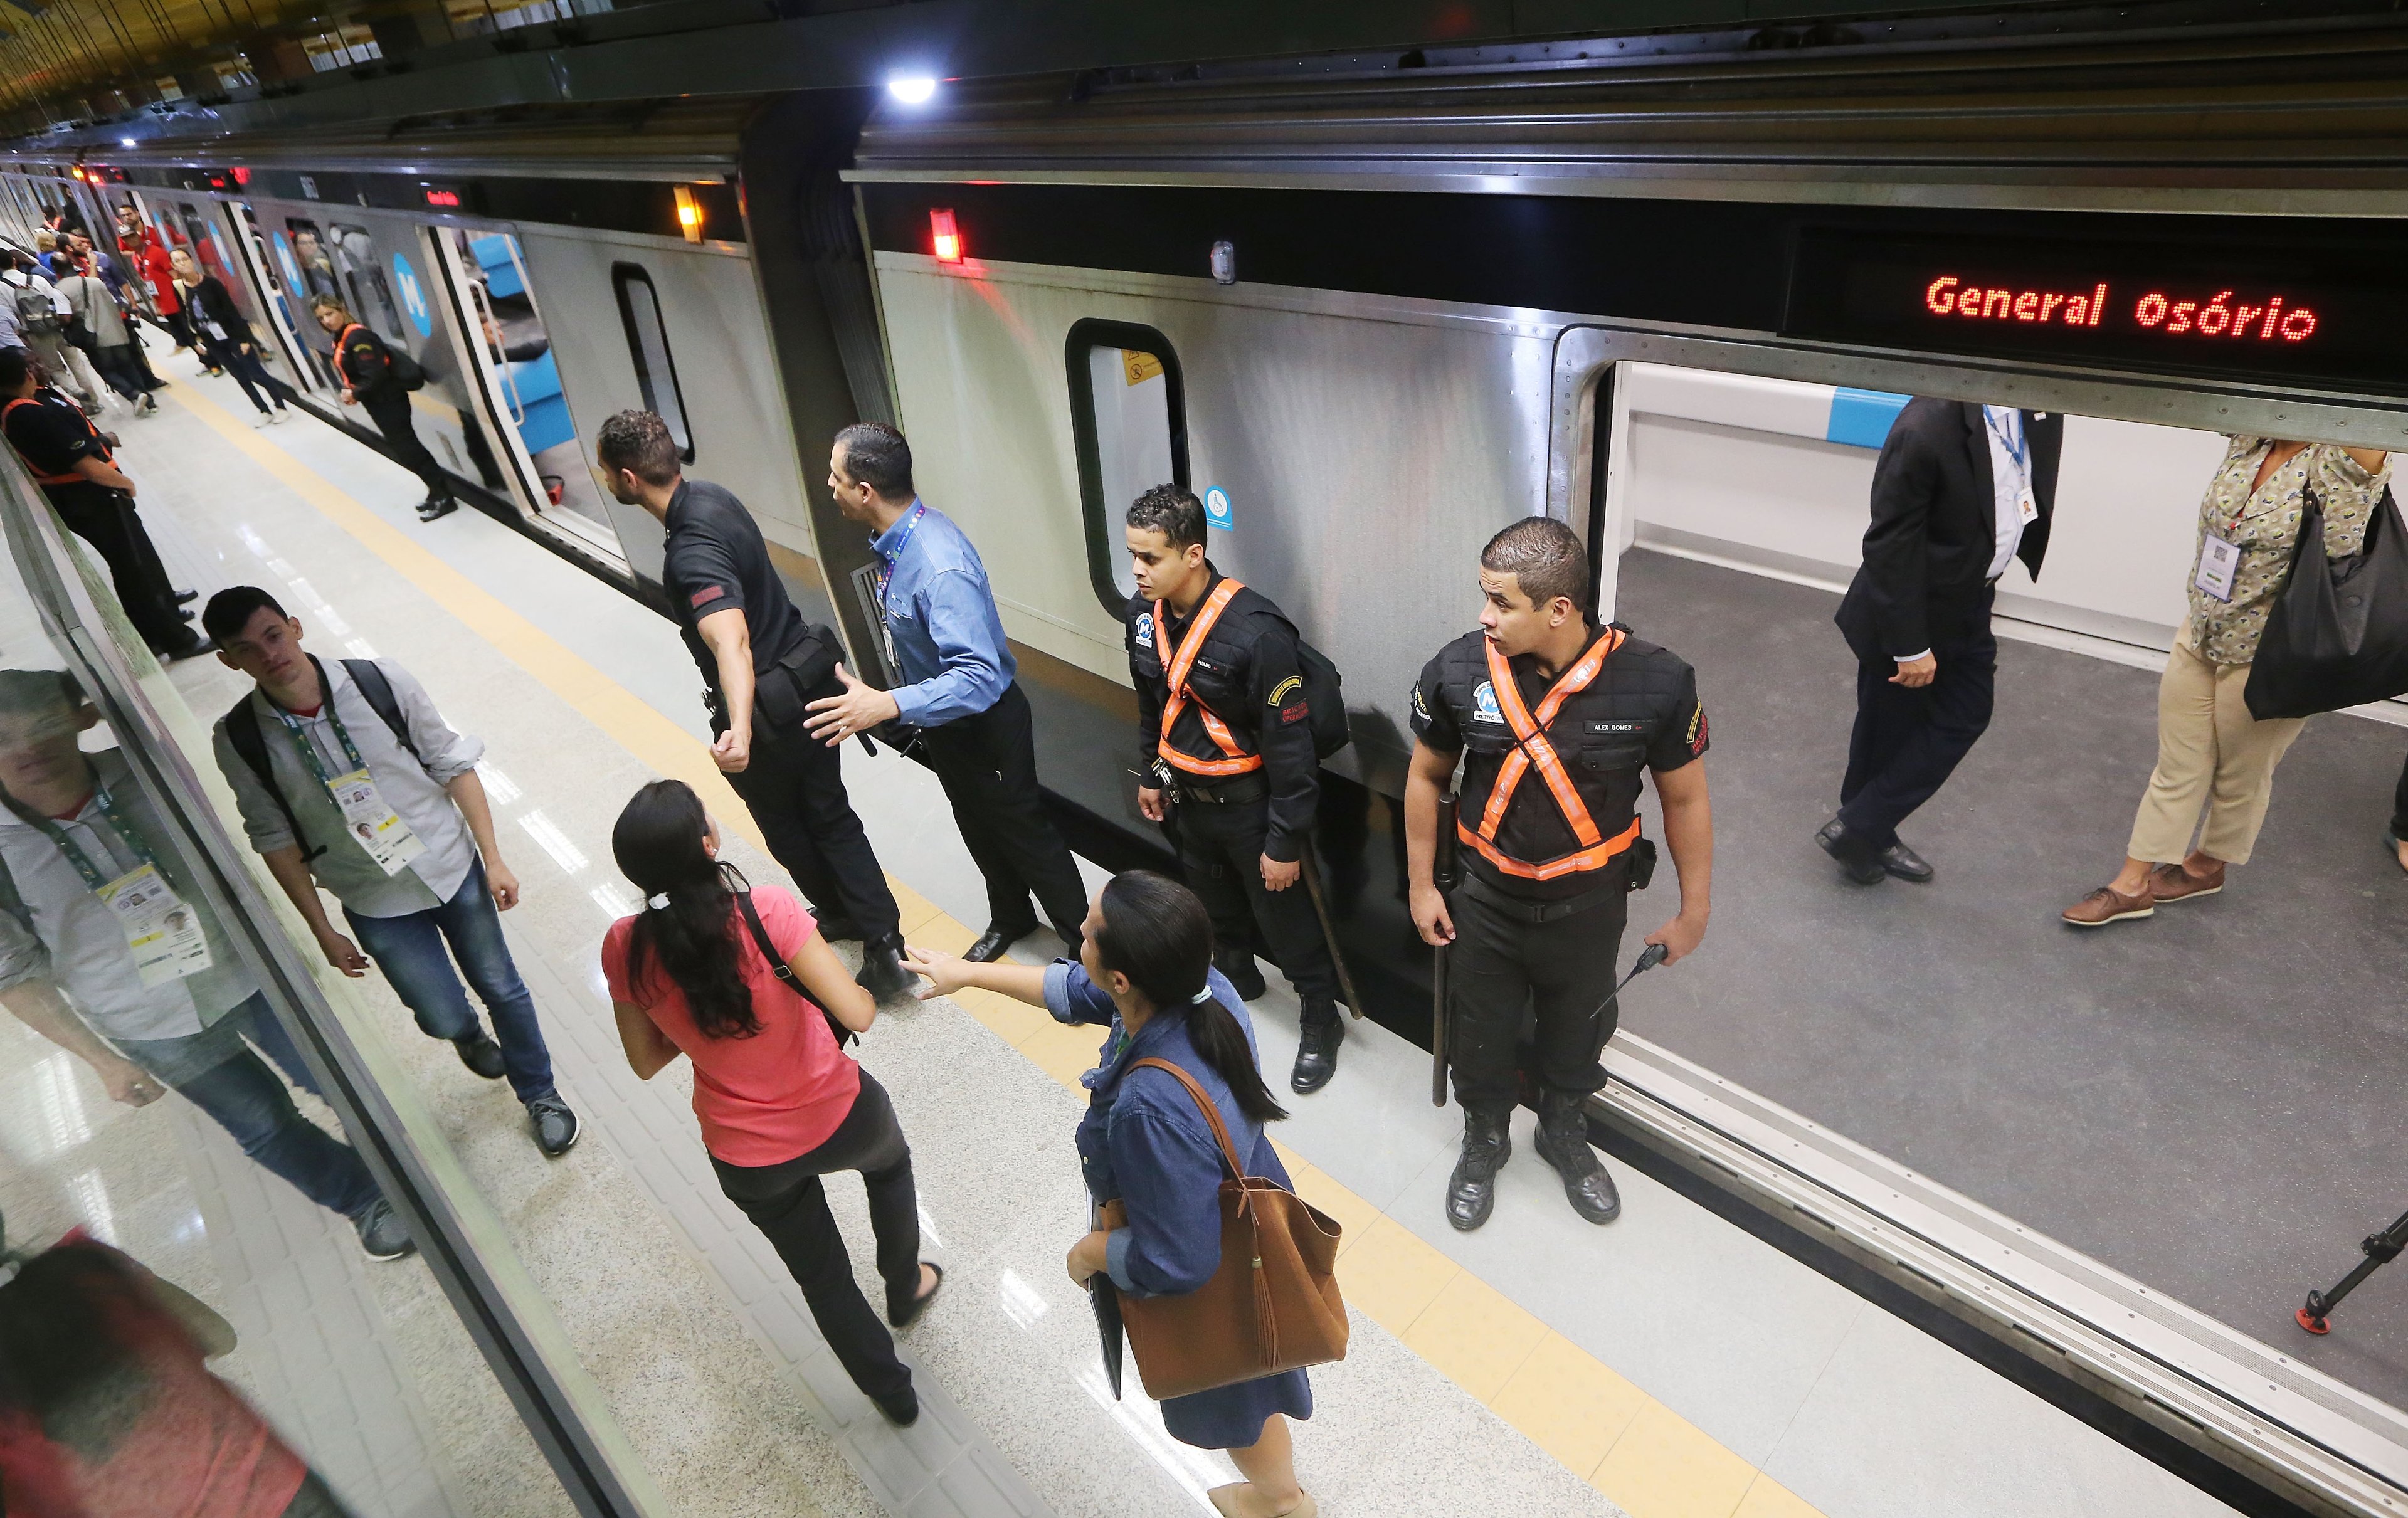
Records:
x=72, y=460
x=365, y=363
x=1224, y=730
x=1553, y=718
x=760, y=661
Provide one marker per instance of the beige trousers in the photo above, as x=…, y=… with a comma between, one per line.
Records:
x=2209, y=751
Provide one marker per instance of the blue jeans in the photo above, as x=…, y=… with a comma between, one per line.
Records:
x=409, y=949
x=222, y=1076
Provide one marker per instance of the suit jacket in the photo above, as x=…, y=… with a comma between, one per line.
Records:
x=1927, y=561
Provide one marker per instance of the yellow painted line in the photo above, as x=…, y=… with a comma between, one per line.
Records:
x=1649, y=1460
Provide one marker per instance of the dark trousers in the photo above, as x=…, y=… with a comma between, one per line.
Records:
x=987, y=764
x=2400, y=806
x=218, y=1072
x=411, y=950
x=1503, y=967
x=389, y=408
x=793, y=786
x=108, y=520
x=787, y=1203
x=119, y=369
x=1907, y=742
x=251, y=374
x=1220, y=854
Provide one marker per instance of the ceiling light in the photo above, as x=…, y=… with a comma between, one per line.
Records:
x=912, y=89
x=126, y=142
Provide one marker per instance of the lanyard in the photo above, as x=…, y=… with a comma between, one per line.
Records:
x=293, y=728
x=2011, y=439
x=886, y=560
x=126, y=837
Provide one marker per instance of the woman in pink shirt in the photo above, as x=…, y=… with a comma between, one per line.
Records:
x=781, y=1104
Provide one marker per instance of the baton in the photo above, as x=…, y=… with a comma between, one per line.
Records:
x=1441, y=876
x=1328, y=926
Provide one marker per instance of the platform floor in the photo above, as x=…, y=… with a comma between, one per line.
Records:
x=1538, y=1366
x=2205, y=1100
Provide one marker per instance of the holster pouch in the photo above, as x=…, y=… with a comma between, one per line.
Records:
x=1642, y=864
x=782, y=692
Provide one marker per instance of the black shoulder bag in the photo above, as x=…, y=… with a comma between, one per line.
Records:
x=782, y=970
x=2337, y=633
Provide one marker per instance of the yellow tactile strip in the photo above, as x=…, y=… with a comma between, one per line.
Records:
x=1644, y=1456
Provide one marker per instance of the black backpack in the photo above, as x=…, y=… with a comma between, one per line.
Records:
x=407, y=371
x=250, y=743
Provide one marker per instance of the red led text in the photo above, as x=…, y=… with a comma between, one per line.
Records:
x=2220, y=318
x=1948, y=295
x=443, y=197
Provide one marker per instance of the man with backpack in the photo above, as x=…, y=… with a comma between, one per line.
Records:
x=111, y=336
x=1228, y=703
x=41, y=316
x=379, y=378
x=349, y=779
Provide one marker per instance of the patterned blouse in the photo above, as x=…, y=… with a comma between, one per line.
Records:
x=2265, y=526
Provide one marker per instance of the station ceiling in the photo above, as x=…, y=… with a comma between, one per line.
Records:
x=98, y=74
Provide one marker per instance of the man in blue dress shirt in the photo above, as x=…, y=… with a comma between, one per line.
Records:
x=946, y=642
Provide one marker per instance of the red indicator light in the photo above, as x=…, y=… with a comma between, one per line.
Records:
x=945, y=237
x=78, y=173
x=243, y=176
x=443, y=197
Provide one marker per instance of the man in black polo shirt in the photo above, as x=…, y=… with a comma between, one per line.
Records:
x=761, y=662
x=70, y=458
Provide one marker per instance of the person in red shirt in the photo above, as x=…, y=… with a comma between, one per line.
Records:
x=159, y=269
x=780, y=1102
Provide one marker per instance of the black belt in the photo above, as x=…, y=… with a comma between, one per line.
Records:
x=1541, y=912
x=1229, y=792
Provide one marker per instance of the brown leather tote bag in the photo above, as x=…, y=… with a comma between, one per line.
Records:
x=1273, y=1304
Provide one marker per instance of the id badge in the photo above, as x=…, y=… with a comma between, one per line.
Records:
x=374, y=825
x=2219, y=561
x=162, y=931
x=2026, y=506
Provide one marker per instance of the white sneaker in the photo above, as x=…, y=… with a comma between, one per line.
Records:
x=261, y=418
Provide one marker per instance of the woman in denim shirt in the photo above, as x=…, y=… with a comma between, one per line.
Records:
x=1144, y=971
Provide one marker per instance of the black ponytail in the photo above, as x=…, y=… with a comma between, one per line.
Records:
x=1158, y=933
x=658, y=844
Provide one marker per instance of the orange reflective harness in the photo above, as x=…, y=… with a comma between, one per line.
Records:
x=1531, y=749
x=71, y=478
x=1176, y=667
x=340, y=368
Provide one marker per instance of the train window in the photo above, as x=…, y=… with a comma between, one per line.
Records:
x=648, y=345
x=1128, y=418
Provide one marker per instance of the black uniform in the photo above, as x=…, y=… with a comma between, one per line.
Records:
x=366, y=367
x=1248, y=676
x=49, y=433
x=793, y=785
x=1554, y=942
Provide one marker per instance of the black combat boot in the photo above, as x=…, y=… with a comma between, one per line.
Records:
x=1316, y=1048
x=883, y=973
x=1563, y=1142
x=1472, y=1190
x=1237, y=964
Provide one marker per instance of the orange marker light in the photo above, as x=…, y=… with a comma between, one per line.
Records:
x=946, y=236
x=689, y=214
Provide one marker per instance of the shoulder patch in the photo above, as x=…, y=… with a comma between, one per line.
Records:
x=1144, y=627
x=1421, y=708
x=1698, y=729
x=1484, y=703
x=1284, y=689
x=706, y=595
x=1293, y=712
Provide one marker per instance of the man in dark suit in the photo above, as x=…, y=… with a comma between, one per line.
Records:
x=1960, y=492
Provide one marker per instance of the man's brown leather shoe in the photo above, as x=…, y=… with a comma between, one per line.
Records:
x=2108, y=904
x=2172, y=883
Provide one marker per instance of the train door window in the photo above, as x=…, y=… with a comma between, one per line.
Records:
x=648, y=345
x=368, y=291
x=1128, y=418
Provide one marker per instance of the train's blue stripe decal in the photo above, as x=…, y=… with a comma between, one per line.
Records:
x=1861, y=418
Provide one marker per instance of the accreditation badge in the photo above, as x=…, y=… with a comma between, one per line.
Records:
x=162, y=933
x=2217, y=562
x=374, y=825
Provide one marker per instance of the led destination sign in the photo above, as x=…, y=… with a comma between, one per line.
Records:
x=2318, y=319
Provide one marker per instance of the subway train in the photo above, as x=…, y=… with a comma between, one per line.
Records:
x=1370, y=317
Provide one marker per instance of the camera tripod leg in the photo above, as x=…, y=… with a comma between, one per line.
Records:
x=2380, y=1249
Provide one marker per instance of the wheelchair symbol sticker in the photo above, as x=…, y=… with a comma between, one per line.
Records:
x=1217, y=513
